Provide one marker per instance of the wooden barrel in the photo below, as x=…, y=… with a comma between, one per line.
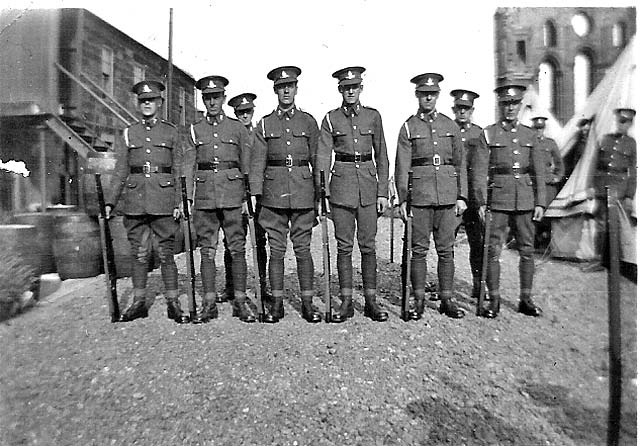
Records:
x=76, y=246
x=18, y=240
x=42, y=243
x=61, y=209
x=103, y=163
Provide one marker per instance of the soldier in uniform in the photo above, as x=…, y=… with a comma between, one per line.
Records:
x=616, y=166
x=430, y=145
x=358, y=188
x=243, y=107
x=513, y=161
x=147, y=172
x=571, y=159
x=215, y=163
x=463, y=110
x=554, y=174
x=281, y=178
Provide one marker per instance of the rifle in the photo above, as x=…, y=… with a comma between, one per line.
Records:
x=108, y=257
x=485, y=253
x=326, y=257
x=188, y=244
x=391, y=222
x=254, y=247
x=407, y=254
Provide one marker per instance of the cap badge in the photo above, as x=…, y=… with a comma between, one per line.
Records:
x=350, y=75
x=465, y=97
x=146, y=89
x=511, y=92
x=244, y=101
x=284, y=75
x=429, y=81
x=211, y=84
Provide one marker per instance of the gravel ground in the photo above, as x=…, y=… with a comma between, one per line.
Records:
x=70, y=377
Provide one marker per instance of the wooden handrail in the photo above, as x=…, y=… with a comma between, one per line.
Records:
x=97, y=87
x=88, y=90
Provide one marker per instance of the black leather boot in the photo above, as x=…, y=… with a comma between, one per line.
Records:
x=138, y=308
x=371, y=308
x=174, y=311
x=241, y=308
x=416, y=313
x=527, y=307
x=449, y=307
x=208, y=311
x=277, y=308
x=491, y=312
x=345, y=311
x=309, y=312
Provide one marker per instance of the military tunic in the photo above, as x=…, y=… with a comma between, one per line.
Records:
x=471, y=134
x=554, y=167
x=509, y=155
x=354, y=133
x=431, y=146
x=616, y=166
x=149, y=164
x=215, y=161
x=281, y=174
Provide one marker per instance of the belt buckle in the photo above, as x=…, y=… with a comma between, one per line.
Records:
x=146, y=168
x=288, y=162
x=436, y=160
x=357, y=157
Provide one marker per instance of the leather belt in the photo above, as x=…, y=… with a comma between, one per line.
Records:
x=218, y=165
x=288, y=162
x=148, y=168
x=426, y=161
x=510, y=170
x=356, y=158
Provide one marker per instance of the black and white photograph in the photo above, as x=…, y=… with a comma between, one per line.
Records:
x=353, y=222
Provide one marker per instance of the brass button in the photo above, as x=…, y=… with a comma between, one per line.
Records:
x=148, y=139
x=215, y=135
x=288, y=143
x=148, y=150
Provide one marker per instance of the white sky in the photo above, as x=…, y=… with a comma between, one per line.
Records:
x=394, y=40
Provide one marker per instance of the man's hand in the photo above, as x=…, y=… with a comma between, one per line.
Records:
x=107, y=211
x=481, y=211
x=461, y=206
x=627, y=205
x=538, y=213
x=403, y=211
x=176, y=214
x=382, y=204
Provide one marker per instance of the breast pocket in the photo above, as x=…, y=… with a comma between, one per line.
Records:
x=163, y=153
x=444, y=144
x=419, y=144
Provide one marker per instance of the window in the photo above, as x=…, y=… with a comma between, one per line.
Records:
x=581, y=80
x=581, y=24
x=618, y=35
x=182, y=106
x=138, y=74
x=549, y=35
x=547, y=86
x=521, y=50
x=107, y=69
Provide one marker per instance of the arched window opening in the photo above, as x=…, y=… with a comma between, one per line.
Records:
x=549, y=35
x=582, y=76
x=547, y=86
x=618, y=35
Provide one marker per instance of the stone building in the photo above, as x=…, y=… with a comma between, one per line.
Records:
x=563, y=52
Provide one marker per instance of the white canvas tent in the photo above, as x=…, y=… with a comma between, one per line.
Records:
x=532, y=107
x=572, y=210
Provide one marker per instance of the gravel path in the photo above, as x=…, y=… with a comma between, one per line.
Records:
x=70, y=377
